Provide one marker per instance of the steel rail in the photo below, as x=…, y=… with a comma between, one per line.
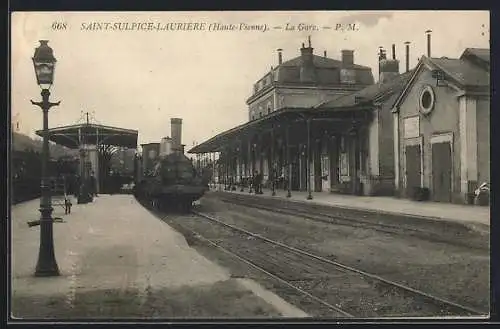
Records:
x=303, y=292
x=316, y=215
x=345, y=267
x=349, y=221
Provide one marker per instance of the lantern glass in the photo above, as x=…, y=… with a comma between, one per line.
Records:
x=44, y=63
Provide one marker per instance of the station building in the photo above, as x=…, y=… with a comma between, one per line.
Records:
x=317, y=124
x=323, y=125
x=441, y=131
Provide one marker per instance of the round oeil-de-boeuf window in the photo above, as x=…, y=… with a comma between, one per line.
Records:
x=426, y=100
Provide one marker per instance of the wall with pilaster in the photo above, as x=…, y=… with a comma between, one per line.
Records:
x=381, y=149
x=483, y=139
x=260, y=106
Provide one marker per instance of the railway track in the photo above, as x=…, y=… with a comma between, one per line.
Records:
x=336, y=290
x=417, y=302
x=352, y=221
x=332, y=289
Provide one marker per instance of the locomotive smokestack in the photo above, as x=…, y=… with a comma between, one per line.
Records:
x=176, y=132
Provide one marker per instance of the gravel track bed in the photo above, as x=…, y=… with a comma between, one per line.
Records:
x=349, y=291
x=239, y=269
x=452, y=272
x=435, y=231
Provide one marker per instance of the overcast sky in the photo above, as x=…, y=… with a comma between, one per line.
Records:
x=140, y=79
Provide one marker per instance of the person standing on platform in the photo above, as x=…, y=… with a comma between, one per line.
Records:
x=77, y=185
x=93, y=184
x=258, y=183
x=254, y=182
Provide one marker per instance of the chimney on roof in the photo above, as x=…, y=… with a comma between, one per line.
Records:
x=393, y=51
x=280, y=56
x=428, y=32
x=347, y=57
x=307, y=69
x=324, y=53
x=407, y=43
x=388, y=68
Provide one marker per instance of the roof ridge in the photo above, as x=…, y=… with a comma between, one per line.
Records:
x=319, y=57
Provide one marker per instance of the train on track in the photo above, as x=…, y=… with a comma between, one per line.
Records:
x=167, y=178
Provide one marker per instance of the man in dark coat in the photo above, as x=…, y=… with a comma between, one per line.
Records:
x=93, y=184
x=258, y=183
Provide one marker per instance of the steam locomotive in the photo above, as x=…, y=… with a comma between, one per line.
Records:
x=172, y=181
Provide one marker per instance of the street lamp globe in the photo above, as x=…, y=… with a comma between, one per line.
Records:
x=44, y=63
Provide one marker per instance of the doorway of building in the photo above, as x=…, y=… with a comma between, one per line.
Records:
x=413, y=168
x=441, y=171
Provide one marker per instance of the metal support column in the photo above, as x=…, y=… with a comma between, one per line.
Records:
x=251, y=165
x=288, y=162
x=229, y=170
x=234, y=170
x=356, y=189
x=241, y=166
x=224, y=168
x=215, y=169
x=219, y=170
x=272, y=173
x=308, y=159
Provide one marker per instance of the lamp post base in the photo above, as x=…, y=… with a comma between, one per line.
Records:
x=47, y=264
x=47, y=270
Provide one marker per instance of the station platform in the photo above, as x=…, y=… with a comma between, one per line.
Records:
x=467, y=214
x=117, y=260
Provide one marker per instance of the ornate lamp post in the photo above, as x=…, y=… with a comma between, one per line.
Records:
x=44, y=63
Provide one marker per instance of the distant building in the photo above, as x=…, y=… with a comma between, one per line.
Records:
x=362, y=161
x=123, y=160
x=441, y=131
x=150, y=152
x=305, y=81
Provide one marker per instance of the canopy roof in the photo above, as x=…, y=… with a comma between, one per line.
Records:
x=281, y=116
x=92, y=134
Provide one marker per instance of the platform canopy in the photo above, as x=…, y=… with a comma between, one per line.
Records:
x=283, y=116
x=74, y=136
